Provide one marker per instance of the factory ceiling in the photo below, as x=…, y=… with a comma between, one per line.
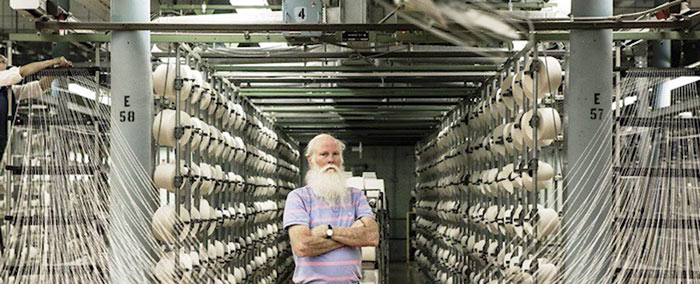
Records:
x=393, y=91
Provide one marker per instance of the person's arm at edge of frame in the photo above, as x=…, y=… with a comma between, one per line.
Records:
x=29, y=91
x=31, y=68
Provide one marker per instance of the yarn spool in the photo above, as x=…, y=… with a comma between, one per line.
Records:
x=508, y=138
x=490, y=219
x=548, y=126
x=207, y=179
x=503, y=179
x=165, y=174
x=164, y=81
x=205, y=133
x=549, y=77
x=491, y=181
x=164, y=128
x=518, y=93
x=497, y=141
x=546, y=221
x=546, y=272
x=167, y=226
x=545, y=176
x=518, y=136
x=197, y=80
x=206, y=97
x=196, y=133
x=506, y=93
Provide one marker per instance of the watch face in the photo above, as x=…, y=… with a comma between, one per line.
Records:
x=329, y=232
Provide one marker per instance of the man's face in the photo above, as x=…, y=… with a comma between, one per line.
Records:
x=327, y=152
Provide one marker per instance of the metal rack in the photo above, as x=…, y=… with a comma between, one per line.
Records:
x=252, y=241
x=462, y=209
x=245, y=212
x=380, y=207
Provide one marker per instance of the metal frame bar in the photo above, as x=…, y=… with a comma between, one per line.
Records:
x=411, y=95
x=358, y=123
x=297, y=115
x=368, y=109
x=341, y=120
x=155, y=38
x=247, y=75
x=434, y=79
x=277, y=37
x=414, y=68
x=580, y=24
x=298, y=130
x=266, y=102
x=353, y=90
x=216, y=7
x=341, y=55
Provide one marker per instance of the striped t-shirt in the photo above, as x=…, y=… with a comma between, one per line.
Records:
x=342, y=265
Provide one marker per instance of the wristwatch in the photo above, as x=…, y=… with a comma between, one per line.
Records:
x=329, y=232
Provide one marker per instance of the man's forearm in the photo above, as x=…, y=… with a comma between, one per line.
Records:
x=357, y=236
x=34, y=67
x=317, y=246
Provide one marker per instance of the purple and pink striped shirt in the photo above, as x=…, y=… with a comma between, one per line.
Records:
x=341, y=265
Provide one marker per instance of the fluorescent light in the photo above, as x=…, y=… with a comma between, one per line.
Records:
x=682, y=81
x=625, y=102
x=518, y=45
x=663, y=92
x=87, y=93
x=562, y=8
x=687, y=114
x=81, y=91
x=272, y=44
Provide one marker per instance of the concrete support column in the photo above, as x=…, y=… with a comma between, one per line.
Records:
x=131, y=115
x=588, y=106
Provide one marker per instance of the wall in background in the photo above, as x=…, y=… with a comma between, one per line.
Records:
x=396, y=166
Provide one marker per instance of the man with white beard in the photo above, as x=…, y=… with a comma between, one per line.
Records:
x=328, y=223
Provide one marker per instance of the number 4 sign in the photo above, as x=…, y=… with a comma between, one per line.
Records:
x=300, y=14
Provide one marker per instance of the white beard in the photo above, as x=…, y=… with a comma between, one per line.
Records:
x=329, y=186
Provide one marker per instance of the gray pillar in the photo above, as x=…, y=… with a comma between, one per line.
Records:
x=588, y=106
x=132, y=112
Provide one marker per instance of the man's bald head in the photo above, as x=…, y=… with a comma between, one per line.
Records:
x=325, y=144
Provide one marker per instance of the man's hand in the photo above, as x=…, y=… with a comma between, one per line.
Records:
x=319, y=231
x=62, y=62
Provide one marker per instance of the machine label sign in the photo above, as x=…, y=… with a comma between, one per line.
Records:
x=356, y=36
x=300, y=14
x=596, y=112
x=127, y=115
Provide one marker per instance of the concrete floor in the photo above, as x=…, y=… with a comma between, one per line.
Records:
x=401, y=272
